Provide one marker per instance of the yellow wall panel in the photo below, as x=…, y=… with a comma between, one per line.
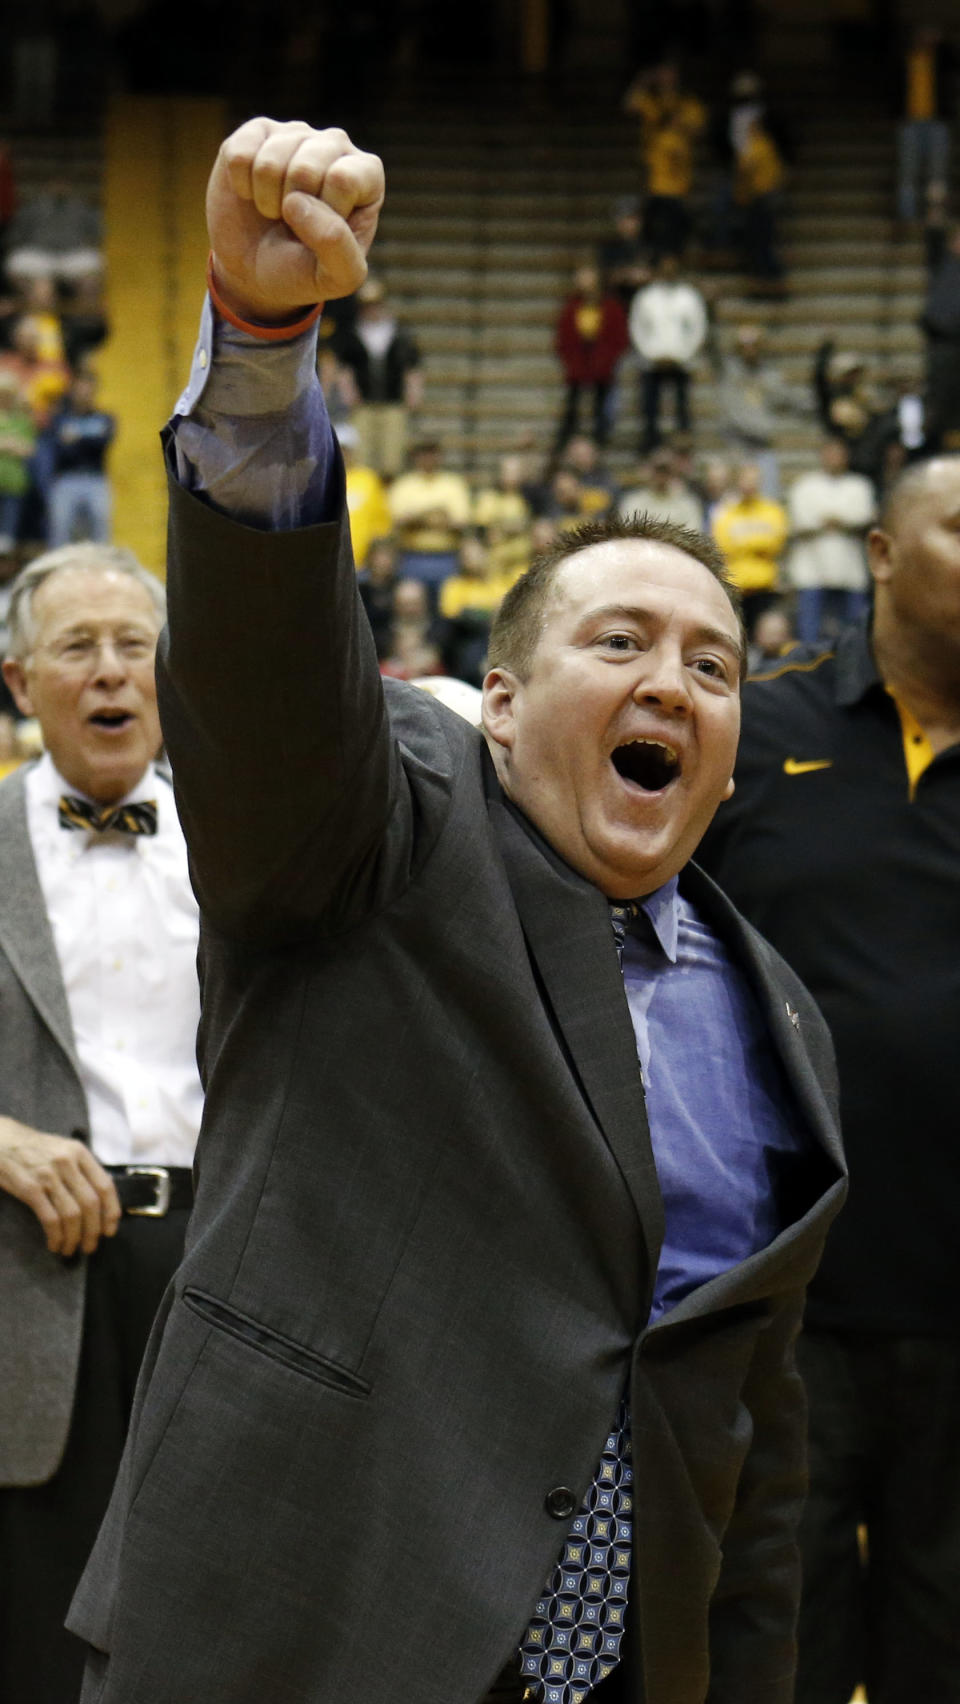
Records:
x=158, y=156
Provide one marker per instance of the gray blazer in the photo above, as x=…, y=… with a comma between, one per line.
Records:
x=419, y=1268
x=41, y=1295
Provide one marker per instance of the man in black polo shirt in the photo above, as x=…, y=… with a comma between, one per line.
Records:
x=842, y=844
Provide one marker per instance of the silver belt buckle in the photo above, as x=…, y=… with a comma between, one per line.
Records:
x=161, y=1205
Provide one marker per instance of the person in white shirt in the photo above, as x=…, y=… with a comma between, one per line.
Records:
x=101, y=1099
x=668, y=325
x=830, y=511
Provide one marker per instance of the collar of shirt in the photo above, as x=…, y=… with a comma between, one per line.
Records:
x=662, y=907
x=856, y=669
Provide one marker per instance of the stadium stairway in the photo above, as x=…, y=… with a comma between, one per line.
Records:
x=486, y=219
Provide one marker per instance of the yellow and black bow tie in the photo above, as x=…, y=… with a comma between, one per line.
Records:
x=140, y=817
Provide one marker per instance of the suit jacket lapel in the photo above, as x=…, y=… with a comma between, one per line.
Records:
x=566, y=923
x=25, y=933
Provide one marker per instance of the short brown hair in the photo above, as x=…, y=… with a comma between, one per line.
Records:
x=519, y=621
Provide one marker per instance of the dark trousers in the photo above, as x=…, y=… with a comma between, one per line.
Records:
x=570, y=418
x=666, y=225
x=655, y=381
x=884, y=1455
x=47, y=1531
x=760, y=237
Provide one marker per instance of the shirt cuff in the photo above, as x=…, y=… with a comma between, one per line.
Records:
x=251, y=432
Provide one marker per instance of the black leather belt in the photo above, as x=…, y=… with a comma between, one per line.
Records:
x=151, y=1192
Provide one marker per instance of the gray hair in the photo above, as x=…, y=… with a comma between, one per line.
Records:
x=112, y=558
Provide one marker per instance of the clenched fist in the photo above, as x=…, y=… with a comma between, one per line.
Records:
x=291, y=213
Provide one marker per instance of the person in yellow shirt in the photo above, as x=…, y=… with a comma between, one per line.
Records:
x=670, y=122
x=469, y=601
x=367, y=503
x=752, y=532
x=430, y=509
x=757, y=183
x=923, y=135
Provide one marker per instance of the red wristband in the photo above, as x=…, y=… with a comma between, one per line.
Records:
x=267, y=333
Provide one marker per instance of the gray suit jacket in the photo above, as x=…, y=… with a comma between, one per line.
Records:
x=427, y=1226
x=41, y=1296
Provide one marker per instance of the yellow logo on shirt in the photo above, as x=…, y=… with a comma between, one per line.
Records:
x=793, y=765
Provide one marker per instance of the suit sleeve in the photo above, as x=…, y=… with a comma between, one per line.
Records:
x=273, y=714
x=754, y=1609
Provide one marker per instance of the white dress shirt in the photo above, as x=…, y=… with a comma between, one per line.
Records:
x=125, y=925
x=831, y=557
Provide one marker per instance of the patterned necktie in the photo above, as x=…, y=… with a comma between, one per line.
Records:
x=573, y=1641
x=140, y=817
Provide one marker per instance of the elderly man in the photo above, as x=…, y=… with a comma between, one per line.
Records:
x=450, y=1296
x=842, y=842
x=101, y=1097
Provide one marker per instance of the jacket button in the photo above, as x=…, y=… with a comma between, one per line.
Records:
x=561, y=1503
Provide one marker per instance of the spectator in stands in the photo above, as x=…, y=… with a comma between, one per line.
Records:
x=84, y=322
x=623, y=258
x=715, y=486
x=469, y=601
x=502, y=513
x=751, y=530
x=847, y=404
x=752, y=399
x=79, y=499
x=758, y=182
x=41, y=315
x=504, y=503
x=589, y=339
x=662, y=494
x=430, y=507
x=367, y=503
x=598, y=488
x=412, y=646
x=929, y=105
x=773, y=636
x=384, y=362
x=941, y=323
x=376, y=583
x=830, y=510
x=668, y=325
x=564, y=506
x=670, y=121
x=17, y=442
x=57, y=235
x=42, y=383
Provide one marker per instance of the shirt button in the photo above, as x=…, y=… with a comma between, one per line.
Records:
x=202, y=358
x=560, y=1503
x=118, y=964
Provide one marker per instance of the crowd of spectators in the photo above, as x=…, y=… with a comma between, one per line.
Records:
x=54, y=439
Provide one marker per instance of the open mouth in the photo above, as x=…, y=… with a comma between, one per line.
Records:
x=110, y=719
x=650, y=764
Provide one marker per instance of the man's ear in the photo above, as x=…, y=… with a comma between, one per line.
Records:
x=881, y=552
x=499, y=720
x=727, y=791
x=15, y=676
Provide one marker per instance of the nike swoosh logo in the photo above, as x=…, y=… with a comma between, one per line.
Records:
x=792, y=765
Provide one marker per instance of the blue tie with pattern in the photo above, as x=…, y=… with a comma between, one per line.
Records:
x=573, y=1641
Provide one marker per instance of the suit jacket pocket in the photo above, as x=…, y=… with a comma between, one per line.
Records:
x=265, y=1341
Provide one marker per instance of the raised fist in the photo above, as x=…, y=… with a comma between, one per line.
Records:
x=291, y=213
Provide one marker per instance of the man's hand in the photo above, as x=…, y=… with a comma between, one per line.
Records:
x=58, y=1178
x=291, y=213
